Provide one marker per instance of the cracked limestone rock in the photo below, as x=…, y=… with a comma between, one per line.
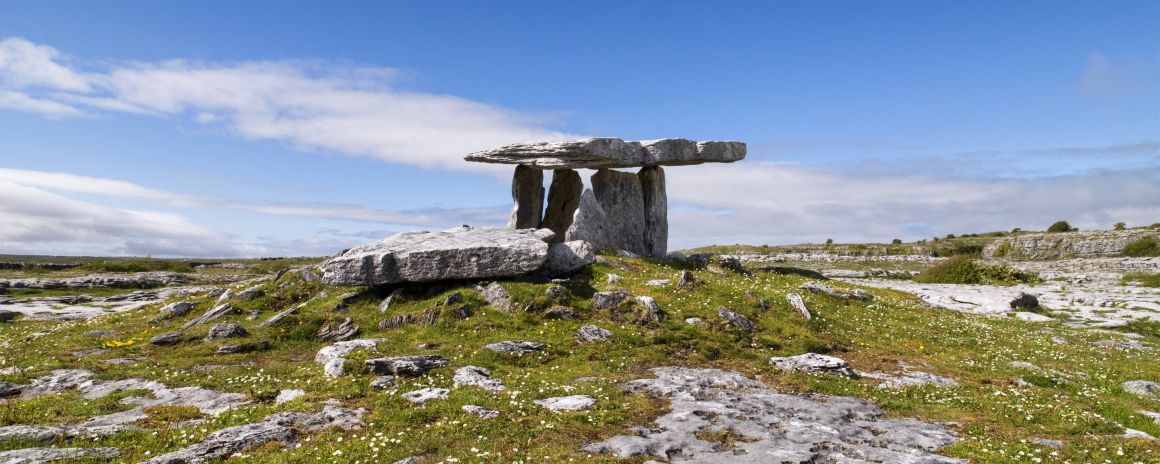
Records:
x=516, y=347
x=567, y=403
x=813, y=363
x=477, y=376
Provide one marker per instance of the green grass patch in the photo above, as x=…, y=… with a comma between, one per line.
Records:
x=965, y=270
x=1147, y=246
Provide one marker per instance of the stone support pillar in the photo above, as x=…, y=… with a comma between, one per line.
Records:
x=656, y=211
x=563, y=198
x=528, y=195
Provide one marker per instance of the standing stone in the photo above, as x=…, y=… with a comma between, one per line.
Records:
x=589, y=223
x=656, y=211
x=619, y=195
x=528, y=194
x=563, y=198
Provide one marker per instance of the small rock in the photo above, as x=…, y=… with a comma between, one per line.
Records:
x=686, y=280
x=614, y=279
x=659, y=282
x=736, y=320
x=567, y=403
x=429, y=317
x=496, y=296
x=406, y=365
x=424, y=395
x=694, y=321
x=813, y=363
x=386, y=303
x=1032, y=317
x=244, y=348
x=817, y=287
x=609, y=300
x=799, y=304
x=560, y=312
x=177, y=309
x=454, y=298
x=383, y=382
x=592, y=333
x=915, y=378
x=286, y=396
x=557, y=292
x=341, y=331
x=1047, y=442
x=9, y=389
x=480, y=411
x=225, y=330
x=1025, y=301
x=213, y=313
x=8, y=316
x=477, y=376
x=1133, y=433
x=1141, y=387
x=516, y=347
x=395, y=322
x=333, y=357
x=171, y=338
x=251, y=293
x=652, y=313
x=102, y=333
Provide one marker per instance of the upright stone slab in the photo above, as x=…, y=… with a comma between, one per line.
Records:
x=656, y=211
x=563, y=198
x=528, y=194
x=621, y=198
x=589, y=223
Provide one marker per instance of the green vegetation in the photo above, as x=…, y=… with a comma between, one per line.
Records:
x=998, y=412
x=964, y=270
x=1143, y=247
x=1143, y=278
x=1060, y=226
x=1119, y=226
x=138, y=265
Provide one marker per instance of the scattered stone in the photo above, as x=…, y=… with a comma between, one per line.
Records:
x=1155, y=416
x=816, y=287
x=591, y=333
x=1031, y=317
x=659, y=282
x=495, y=295
x=557, y=292
x=1141, y=387
x=798, y=271
x=225, y=330
x=1047, y=442
x=909, y=378
x=251, y=293
x=102, y=333
x=528, y=195
x=9, y=389
x=409, y=460
x=733, y=264
x=424, y=395
x=460, y=253
x=686, y=280
x=386, y=303
x=1025, y=301
x=567, y=403
x=429, y=317
x=651, y=313
x=383, y=382
x=171, y=338
x=333, y=357
x=477, y=376
x=516, y=347
x=342, y=331
x=282, y=314
x=453, y=298
x=8, y=316
x=406, y=365
x=1133, y=433
x=345, y=300
x=50, y=455
x=560, y=312
x=609, y=300
x=694, y=321
x=244, y=348
x=462, y=312
x=213, y=313
x=395, y=322
x=736, y=320
x=814, y=363
x=614, y=279
x=480, y=411
x=799, y=304
x=177, y=309
x=568, y=257
x=286, y=396
x=776, y=427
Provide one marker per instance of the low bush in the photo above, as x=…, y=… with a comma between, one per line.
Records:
x=1060, y=226
x=1145, y=246
x=964, y=270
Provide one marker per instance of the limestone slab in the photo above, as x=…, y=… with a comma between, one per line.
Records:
x=528, y=195
x=610, y=152
x=622, y=199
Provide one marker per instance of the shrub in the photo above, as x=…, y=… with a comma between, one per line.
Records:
x=1119, y=226
x=1059, y=226
x=964, y=270
x=1145, y=246
x=896, y=241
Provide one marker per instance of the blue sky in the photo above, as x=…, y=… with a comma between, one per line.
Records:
x=247, y=128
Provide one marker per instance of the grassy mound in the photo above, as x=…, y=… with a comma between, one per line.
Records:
x=965, y=270
x=1144, y=247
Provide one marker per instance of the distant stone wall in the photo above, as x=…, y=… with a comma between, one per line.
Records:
x=1064, y=244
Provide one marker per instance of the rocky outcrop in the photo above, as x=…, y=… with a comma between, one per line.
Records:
x=460, y=253
x=406, y=365
x=528, y=195
x=138, y=280
x=48, y=455
x=608, y=152
x=813, y=363
x=333, y=357
x=1064, y=244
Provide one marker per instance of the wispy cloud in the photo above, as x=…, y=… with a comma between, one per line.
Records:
x=309, y=105
x=1104, y=78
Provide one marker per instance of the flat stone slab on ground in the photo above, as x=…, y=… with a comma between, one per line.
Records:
x=567, y=403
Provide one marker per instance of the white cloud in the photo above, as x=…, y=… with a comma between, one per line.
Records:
x=308, y=105
x=1103, y=78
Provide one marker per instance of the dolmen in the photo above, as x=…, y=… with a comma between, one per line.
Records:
x=623, y=210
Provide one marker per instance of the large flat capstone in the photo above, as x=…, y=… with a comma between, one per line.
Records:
x=610, y=152
x=459, y=253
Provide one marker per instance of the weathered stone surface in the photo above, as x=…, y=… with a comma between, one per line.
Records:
x=1141, y=387
x=563, y=199
x=909, y=378
x=799, y=304
x=591, y=333
x=213, y=313
x=816, y=287
x=244, y=348
x=225, y=330
x=516, y=347
x=50, y=455
x=656, y=211
x=736, y=320
x=177, y=309
x=406, y=365
x=687, y=280
x=288, y=395
x=395, y=322
x=333, y=357
x=461, y=253
x=567, y=403
x=477, y=376
x=813, y=363
x=496, y=295
x=568, y=257
x=1064, y=244
x=385, y=305
x=621, y=198
x=609, y=300
x=589, y=223
x=136, y=280
x=776, y=427
x=1025, y=301
x=651, y=311
x=424, y=395
x=609, y=152
x=337, y=332
x=560, y=312
x=480, y=411
x=166, y=339
x=528, y=195
x=9, y=389
x=383, y=382
x=251, y=293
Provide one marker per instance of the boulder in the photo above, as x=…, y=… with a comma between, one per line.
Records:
x=591, y=333
x=528, y=195
x=621, y=197
x=1025, y=301
x=477, y=376
x=9, y=389
x=424, y=395
x=656, y=211
x=337, y=332
x=686, y=280
x=251, y=293
x=589, y=223
x=799, y=304
x=563, y=199
x=496, y=295
x=333, y=357
x=651, y=311
x=567, y=403
x=1141, y=387
x=609, y=152
x=460, y=253
x=813, y=363
x=568, y=257
x=8, y=316
x=244, y=348
x=177, y=309
x=286, y=396
x=557, y=292
x=225, y=330
x=171, y=338
x=406, y=365
x=736, y=320
x=560, y=312
x=516, y=347
x=609, y=300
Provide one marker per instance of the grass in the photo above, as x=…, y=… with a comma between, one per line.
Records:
x=1143, y=247
x=964, y=270
x=998, y=417
x=1144, y=279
